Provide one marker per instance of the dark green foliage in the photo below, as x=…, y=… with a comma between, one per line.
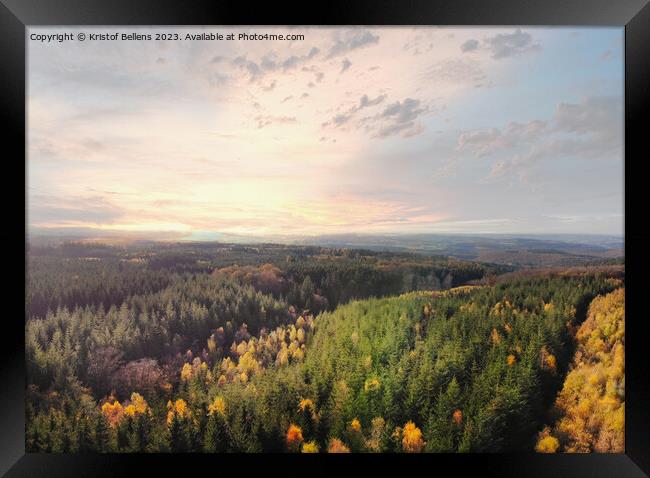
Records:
x=465, y=365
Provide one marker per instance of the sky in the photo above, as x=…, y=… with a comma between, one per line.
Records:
x=350, y=130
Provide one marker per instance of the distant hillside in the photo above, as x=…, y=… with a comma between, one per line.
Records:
x=522, y=251
x=508, y=250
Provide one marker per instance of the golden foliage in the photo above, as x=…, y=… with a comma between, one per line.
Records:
x=113, y=413
x=495, y=337
x=412, y=441
x=305, y=403
x=367, y=361
x=337, y=446
x=283, y=356
x=178, y=410
x=186, y=372
x=355, y=425
x=298, y=354
x=546, y=442
x=378, y=424
x=592, y=400
x=310, y=447
x=500, y=308
x=371, y=385
x=139, y=402
x=212, y=344
x=294, y=437
x=300, y=321
x=218, y=405
x=241, y=348
x=548, y=361
x=551, y=363
x=138, y=406
x=300, y=335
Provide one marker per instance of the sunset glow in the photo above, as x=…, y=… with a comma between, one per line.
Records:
x=351, y=130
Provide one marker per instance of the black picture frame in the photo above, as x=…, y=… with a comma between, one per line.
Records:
x=633, y=15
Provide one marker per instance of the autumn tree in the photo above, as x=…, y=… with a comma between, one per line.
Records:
x=591, y=404
x=337, y=446
x=216, y=438
x=294, y=438
x=180, y=424
x=412, y=441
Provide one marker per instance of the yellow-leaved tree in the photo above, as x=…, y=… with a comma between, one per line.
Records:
x=412, y=441
x=591, y=404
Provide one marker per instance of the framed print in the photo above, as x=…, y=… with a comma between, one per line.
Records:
x=380, y=235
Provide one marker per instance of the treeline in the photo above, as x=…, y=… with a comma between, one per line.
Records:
x=472, y=369
x=54, y=282
x=590, y=408
x=79, y=274
x=322, y=283
x=90, y=343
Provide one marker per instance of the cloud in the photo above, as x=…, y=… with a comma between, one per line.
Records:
x=601, y=116
x=60, y=211
x=403, y=112
x=399, y=117
x=488, y=141
x=469, y=45
x=340, y=119
x=270, y=63
x=407, y=129
x=217, y=79
x=267, y=120
x=455, y=70
x=505, y=45
x=507, y=166
x=364, y=102
x=319, y=75
x=589, y=130
x=294, y=60
x=197, y=138
x=252, y=68
x=271, y=86
x=345, y=64
x=352, y=40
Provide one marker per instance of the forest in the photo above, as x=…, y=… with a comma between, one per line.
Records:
x=206, y=347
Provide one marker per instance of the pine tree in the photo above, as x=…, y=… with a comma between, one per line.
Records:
x=216, y=438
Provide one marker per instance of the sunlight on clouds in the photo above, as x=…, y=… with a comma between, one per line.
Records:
x=347, y=131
